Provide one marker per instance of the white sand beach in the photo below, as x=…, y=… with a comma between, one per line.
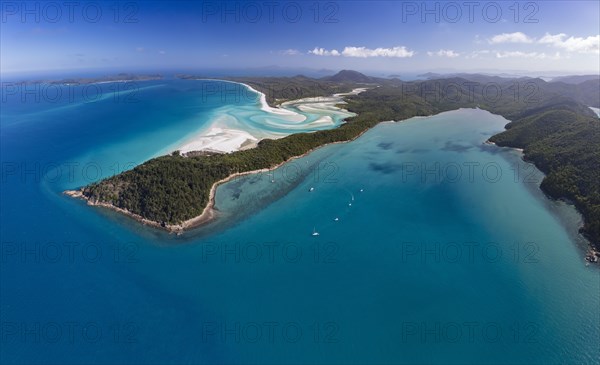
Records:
x=220, y=140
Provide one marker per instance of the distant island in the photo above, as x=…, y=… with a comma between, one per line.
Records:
x=577, y=79
x=553, y=125
x=122, y=77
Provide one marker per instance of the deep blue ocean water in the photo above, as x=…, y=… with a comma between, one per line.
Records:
x=444, y=250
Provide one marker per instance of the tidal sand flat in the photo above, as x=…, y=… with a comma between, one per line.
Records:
x=236, y=127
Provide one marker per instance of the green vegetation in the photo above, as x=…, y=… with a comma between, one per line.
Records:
x=558, y=133
x=565, y=144
x=280, y=89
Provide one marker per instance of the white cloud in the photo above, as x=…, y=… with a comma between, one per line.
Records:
x=552, y=39
x=514, y=54
x=476, y=54
x=590, y=44
x=363, y=52
x=323, y=52
x=531, y=55
x=516, y=37
x=162, y=52
x=290, y=52
x=139, y=49
x=518, y=54
x=398, y=52
x=444, y=53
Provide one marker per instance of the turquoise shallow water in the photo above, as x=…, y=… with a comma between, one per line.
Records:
x=450, y=254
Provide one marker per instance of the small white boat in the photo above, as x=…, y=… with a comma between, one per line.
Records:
x=311, y=189
x=336, y=219
x=315, y=233
x=272, y=181
x=349, y=204
x=361, y=190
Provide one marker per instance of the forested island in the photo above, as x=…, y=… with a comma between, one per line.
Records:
x=550, y=121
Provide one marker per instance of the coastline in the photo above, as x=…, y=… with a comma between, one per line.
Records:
x=592, y=254
x=209, y=213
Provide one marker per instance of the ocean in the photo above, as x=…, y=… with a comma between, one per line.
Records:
x=432, y=248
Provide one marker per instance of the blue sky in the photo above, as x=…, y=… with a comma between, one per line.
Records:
x=371, y=36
